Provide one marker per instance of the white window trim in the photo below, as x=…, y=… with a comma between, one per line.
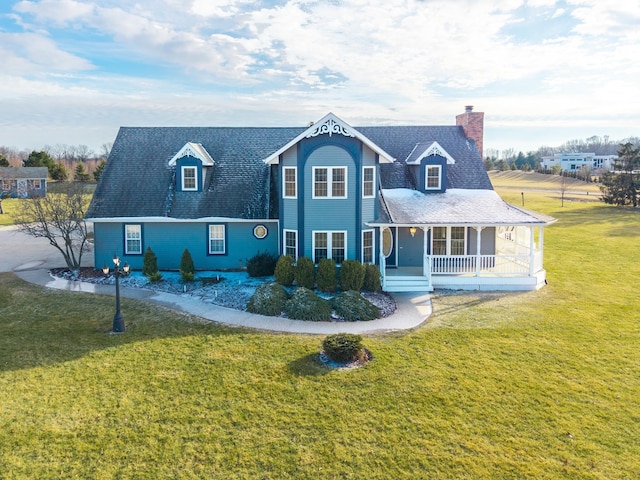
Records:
x=127, y=238
x=284, y=182
x=284, y=243
x=224, y=239
x=426, y=177
x=373, y=246
x=329, y=243
x=373, y=188
x=330, y=170
x=195, y=170
x=448, y=240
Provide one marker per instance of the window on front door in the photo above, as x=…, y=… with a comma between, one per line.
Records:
x=449, y=241
x=329, y=182
x=329, y=245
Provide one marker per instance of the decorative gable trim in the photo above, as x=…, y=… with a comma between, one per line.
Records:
x=195, y=150
x=427, y=149
x=330, y=125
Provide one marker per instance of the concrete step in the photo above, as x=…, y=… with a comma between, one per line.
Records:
x=407, y=284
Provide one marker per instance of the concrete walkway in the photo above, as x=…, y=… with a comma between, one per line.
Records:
x=31, y=258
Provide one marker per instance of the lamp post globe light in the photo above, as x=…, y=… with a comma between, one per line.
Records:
x=118, y=318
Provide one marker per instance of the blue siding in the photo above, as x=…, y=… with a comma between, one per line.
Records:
x=168, y=241
x=188, y=161
x=410, y=248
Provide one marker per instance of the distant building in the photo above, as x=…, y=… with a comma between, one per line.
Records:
x=576, y=161
x=23, y=182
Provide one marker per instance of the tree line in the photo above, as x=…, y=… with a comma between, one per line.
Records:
x=64, y=162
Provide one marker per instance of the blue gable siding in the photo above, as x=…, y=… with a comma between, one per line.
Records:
x=168, y=241
x=422, y=175
x=189, y=161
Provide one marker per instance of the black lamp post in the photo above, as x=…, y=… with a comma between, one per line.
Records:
x=118, y=318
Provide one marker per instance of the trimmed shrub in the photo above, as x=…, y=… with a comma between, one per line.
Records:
x=351, y=306
x=326, y=277
x=263, y=264
x=269, y=299
x=284, y=272
x=187, y=269
x=306, y=305
x=343, y=347
x=351, y=275
x=372, y=278
x=303, y=273
x=150, y=266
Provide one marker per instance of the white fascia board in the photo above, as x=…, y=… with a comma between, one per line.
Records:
x=194, y=150
x=434, y=149
x=330, y=124
x=179, y=220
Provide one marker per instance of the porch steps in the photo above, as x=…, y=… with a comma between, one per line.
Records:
x=407, y=284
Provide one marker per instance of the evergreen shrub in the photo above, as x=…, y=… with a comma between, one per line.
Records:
x=326, y=277
x=372, y=281
x=150, y=266
x=263, y=264
x=351, y=275
x=284, y=272
x=351, y=306
x=306, y=305
x=303, y=273
x=187, y=269
x=269, y=299
x=343, y=347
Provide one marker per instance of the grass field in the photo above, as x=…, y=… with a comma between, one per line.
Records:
x=9, y=206
x=528, y=385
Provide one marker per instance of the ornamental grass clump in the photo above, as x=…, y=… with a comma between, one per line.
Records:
x=187, y=269
x=150, y=266
x=303, y=273
x=326, y=277
x=285, y=269
x=269, y=299
x=262, y=264
x=343, y=347
x=352, y=307
x=306, y=305
x=351, y=275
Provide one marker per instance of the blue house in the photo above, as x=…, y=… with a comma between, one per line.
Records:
x=23, y=182
x=414, y=200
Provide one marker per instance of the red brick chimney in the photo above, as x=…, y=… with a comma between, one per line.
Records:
x=473, y=125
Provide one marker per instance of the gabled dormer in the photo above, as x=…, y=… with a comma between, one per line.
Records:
x=428, y=164
x=190, y=164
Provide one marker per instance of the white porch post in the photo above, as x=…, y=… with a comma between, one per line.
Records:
x=532, y=253
x=478, y=249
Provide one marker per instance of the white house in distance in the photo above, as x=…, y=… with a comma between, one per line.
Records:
x=575, y=161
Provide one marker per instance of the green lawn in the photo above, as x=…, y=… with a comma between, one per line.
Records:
x=9, y=206
x=528, y=385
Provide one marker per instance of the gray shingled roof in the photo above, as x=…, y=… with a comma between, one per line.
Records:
x=14, y=173
x=137, y=181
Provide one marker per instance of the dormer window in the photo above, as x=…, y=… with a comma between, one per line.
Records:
x=189, y=178
x=433, y=180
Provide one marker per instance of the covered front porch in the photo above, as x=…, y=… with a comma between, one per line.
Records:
x=483, y=257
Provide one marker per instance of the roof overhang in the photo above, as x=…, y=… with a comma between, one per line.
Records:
x=195, y=150
x=330, y=125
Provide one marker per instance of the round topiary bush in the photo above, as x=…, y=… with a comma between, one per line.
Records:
x=372, y=278
x=351, y=275
x=268, y=299
x=353, y=308
x=284, y=272
x=326, y=277
x=343, y=347
x=304, y=273
x=306, y=305
x=262, y=264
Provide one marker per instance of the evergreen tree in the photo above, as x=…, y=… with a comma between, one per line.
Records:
x=622, y=186
x=81, y=175
x=97, y=173
x=187, y=269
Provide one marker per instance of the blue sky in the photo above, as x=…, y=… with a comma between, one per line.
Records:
x=543, y=71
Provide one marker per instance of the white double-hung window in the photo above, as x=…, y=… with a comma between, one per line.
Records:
x=217, y=240
x=291, y=243
x=133, y=239
x=433, y=177
x=289, y=185
x=368, y=182
x=189, y=178
x=449, y=241
x=329, y=182
x=330, y=244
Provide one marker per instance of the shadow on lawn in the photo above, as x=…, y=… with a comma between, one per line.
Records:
x=41, y=327
x=309, y=365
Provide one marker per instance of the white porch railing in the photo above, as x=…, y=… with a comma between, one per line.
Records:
x=489, y=264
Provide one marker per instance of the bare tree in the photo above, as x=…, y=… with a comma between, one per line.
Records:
x=59, y=217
